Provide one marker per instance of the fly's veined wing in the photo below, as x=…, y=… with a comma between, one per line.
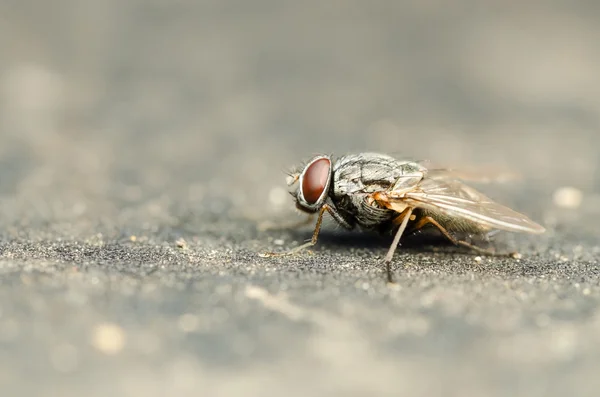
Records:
x=481, y=176
x=456, y=199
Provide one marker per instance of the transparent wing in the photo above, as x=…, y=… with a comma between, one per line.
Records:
x=456, y=199
x=481, y=176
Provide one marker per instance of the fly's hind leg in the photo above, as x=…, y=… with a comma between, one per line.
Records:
x=429, y=220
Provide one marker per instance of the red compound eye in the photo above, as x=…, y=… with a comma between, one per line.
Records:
x=315, y=179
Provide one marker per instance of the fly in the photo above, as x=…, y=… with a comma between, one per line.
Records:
x=378, y=192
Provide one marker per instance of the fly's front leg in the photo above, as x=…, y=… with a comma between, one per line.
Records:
x=269, y=226
x=315, y=235
x=339, y=218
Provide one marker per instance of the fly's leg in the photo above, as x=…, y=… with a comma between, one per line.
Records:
x=429, y=220
x=339, y=218
x=315, y=235
x=268, y=225
x=404, y=217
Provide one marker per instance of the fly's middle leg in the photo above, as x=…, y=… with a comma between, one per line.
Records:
x=403, y=219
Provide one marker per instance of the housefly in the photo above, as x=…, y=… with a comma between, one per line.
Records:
x=378, y=192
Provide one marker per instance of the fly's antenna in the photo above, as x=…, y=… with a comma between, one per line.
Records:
x=287, y=170
x=292, y=177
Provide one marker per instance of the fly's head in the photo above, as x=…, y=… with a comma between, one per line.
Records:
x=312, y=184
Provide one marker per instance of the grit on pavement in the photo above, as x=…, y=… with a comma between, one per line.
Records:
x=143, y=142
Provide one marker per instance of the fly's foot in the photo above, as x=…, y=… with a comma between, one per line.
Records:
x=388, y=268
x=268, y=254
x=271, y=254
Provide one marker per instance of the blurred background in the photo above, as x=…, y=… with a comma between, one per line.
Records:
x=111, y=98
x=118, y=118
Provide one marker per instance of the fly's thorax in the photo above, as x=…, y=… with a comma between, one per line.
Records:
x=357, y=176
x=370, y=172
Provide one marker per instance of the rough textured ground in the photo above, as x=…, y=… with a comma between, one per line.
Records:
x=141, y=142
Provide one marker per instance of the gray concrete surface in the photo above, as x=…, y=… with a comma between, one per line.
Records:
x=142, y=141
